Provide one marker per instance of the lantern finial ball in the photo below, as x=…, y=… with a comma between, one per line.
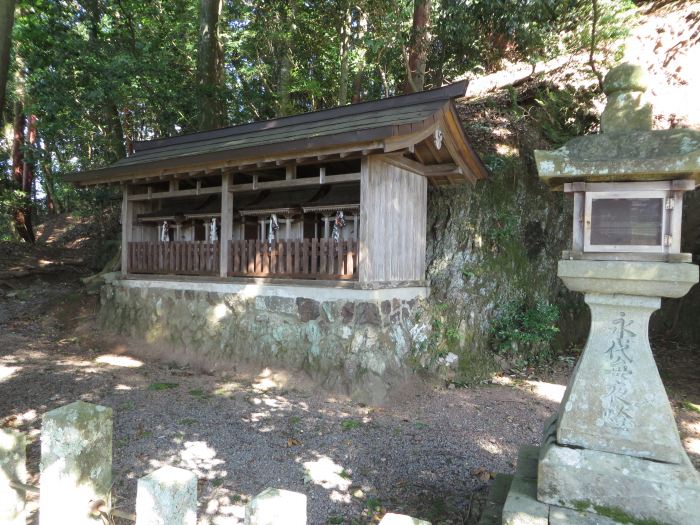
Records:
x=627, y=108
x=626, y=77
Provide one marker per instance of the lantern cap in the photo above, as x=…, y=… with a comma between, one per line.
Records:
x=636, y=156
x=627, y=149
x=625, y=77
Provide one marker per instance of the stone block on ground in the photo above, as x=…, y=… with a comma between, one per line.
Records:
x=276, y=507
x=401, y=519
x=521, y=506
x=618, y=486
x=492, y=513
x=76, y=463
x=13, y=467
x=167, y=496
x=562, y=516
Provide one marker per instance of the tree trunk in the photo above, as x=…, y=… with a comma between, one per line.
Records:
x=210, y=66
x=345, y=27
x=357, y=86
x=22, y=175
x=117, y=148
x=7, y=20
x=53, y=204
x=285, y=76
x=417, y=53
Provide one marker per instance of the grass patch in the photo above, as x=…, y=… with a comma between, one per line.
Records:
x=199, y=394
x=350, y=424
x=127, y=405
x=691, y=406
x=188, y=421
x=162, y=386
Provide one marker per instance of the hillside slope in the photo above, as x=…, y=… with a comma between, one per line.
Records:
x=493, y=249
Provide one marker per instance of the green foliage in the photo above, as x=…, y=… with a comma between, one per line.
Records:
x=525, y=331
x=564, y=114
x=10, y=199
x=100, y=75
x=475, y=35
x=691, y=406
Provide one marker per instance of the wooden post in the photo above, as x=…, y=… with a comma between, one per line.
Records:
x=579, y=205
x=326, y=227
x=126, y=228
x=226, y=223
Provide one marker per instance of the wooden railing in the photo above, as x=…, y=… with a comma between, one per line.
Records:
x=303, y=258
x=186, y=258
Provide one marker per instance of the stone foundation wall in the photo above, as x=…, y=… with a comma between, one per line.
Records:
x=362, y=347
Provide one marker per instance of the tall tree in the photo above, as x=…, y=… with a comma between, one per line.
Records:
x=345, y=28
x=7, y=20
x=210, y=66
x=23, y=171
x=417, y=53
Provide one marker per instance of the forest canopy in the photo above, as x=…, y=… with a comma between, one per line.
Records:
x=81, y=80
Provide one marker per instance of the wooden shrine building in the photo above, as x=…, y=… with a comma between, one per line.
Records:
x=332, y=195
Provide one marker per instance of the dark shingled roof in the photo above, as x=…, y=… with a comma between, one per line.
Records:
x=353, y=124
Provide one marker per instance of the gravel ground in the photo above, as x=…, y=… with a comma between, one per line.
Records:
x=428, y=452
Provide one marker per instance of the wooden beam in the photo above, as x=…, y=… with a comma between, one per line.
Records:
x=226, y=223
x=433, y=170
x=322, y=175
x=246, y=163
x=309, y=181
x=406, y=141
x=127, y=218
x=467, y=158
x=456, y=154
x=291, y=172
x=174, y=193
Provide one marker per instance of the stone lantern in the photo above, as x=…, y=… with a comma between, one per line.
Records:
x=612, y=453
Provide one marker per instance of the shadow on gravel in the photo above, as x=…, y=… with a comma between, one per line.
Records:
x=428, y=452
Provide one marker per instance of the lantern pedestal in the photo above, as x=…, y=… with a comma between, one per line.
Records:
x=612, y=454
x=613, y=448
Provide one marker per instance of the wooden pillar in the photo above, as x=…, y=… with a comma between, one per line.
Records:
x=226, y=222
x=326, y=227
x=126, y=228
x=288, y=228
x=353, y=218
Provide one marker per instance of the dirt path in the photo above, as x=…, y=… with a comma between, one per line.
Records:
x=427, y=453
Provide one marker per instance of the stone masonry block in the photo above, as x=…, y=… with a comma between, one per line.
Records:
x=401, y=519
x=521, y=506
x=167, y=496
x=13, y=467
x=618, y=485
x=276, y=507
x=76, y=463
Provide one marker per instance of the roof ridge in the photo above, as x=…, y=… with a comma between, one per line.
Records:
x=447, y=92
